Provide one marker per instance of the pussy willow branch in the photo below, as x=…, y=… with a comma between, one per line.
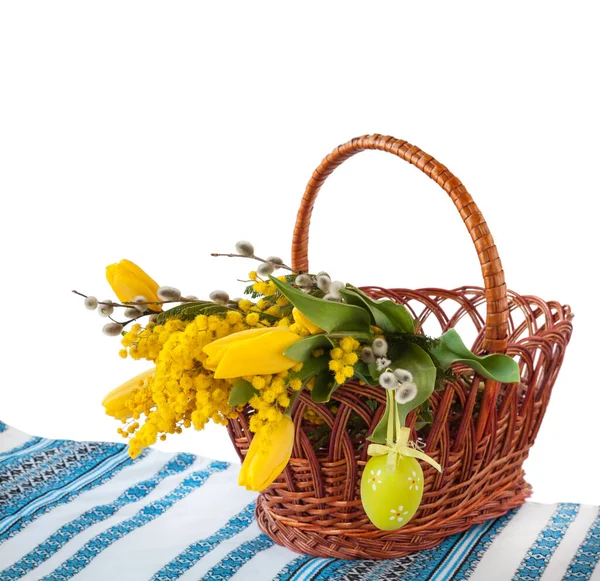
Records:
x=253, y=257
x=128, y=305
x=125, y=323
x=148, y=312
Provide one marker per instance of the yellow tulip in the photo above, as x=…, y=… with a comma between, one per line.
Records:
x=114, y=402
x=251, y=352
x=128, y=281
x=301, y=318
x=267, y=456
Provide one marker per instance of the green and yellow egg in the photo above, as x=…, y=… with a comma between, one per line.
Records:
x=391, y=497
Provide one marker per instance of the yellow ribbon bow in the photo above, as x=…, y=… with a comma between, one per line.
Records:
x=402, y=447
x=399, y=446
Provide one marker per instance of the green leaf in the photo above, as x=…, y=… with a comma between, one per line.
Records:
x=178, y=310
x=497, y=367
x=319, y=436
x=372, y=404
x=374, y=372
x=414, y=359
x=241, y=392
x=249, y=290
x=301, y=351
x=324, y=387
x=311, y=367
x=361, y=371
x=379, y=434
x=389, y=316
x=329, y=315
x=353, y=297
x=191, y=313
x=424, y=416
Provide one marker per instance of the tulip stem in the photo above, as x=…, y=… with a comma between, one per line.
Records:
x=391, y=402
x=359, y=336
x=293, y=398
x=231, y=255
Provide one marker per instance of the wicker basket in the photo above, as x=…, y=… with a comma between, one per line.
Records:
x=481, y=432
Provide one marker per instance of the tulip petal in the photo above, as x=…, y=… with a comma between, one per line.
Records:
x=216, y=349
x=299, y=317
x=260, y=355
x=111, y=274
x=248, y=459
x=272, y=475
x=141, y=275
x=267, y=456
x=114, y=401
x=128, y=281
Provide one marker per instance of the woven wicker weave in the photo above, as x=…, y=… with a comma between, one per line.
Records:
x=481, y=432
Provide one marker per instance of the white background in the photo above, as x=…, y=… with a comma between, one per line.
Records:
x=162, y=132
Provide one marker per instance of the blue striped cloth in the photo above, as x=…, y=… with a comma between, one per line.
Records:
x=85, y=510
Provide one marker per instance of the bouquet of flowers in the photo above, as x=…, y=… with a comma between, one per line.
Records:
x=296, y=331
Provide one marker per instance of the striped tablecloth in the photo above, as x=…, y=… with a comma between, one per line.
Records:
x=86, y=511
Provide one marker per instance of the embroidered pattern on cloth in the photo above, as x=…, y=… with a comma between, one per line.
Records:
x=172, y=516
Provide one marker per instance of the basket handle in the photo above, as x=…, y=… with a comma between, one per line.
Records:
x=495, y=337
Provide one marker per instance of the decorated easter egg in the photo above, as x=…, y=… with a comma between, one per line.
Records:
x=391, y=498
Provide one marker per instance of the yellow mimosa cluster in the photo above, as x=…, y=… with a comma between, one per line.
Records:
x=273, y=396
x=182, y=391
x=202, y=364
x=271, y=307
x=198, y=362
x=343, y=359
x=146, y=343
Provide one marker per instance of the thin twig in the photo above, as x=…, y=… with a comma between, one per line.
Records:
x=254, y=257
x=132, y=304
x=125, y=323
